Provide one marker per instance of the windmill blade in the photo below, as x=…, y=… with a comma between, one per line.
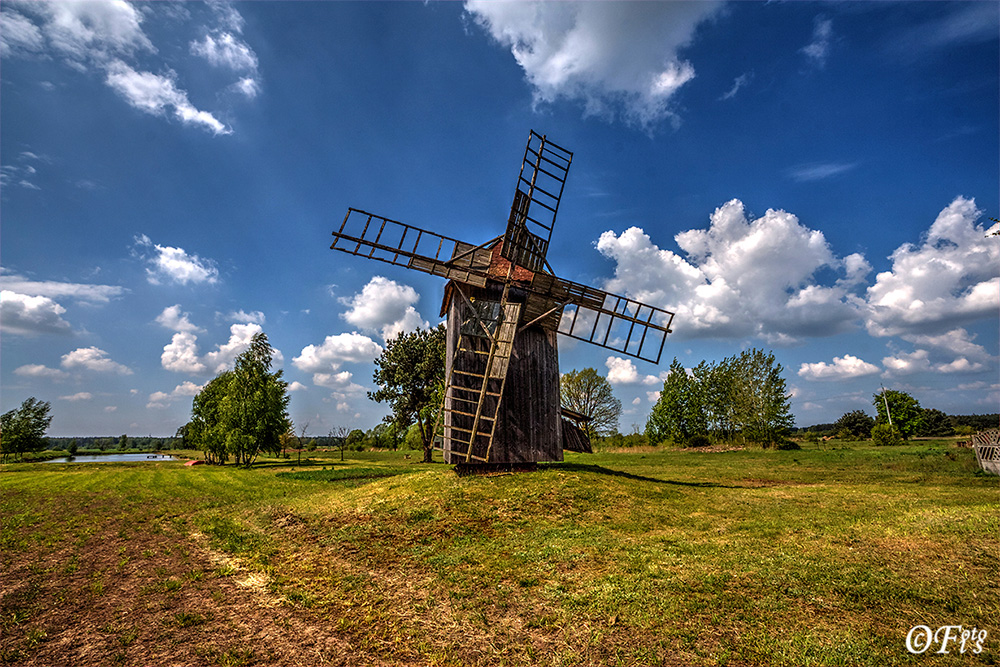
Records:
x=536, y=202
x=615, y=322
x=375, y=237
x=474, y=390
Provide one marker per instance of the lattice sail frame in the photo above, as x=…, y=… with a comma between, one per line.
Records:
x=585, y=313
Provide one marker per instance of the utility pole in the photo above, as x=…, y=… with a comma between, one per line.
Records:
x=887, y=413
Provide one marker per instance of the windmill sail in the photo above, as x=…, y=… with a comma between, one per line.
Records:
x=536, y=202
x=372, y=236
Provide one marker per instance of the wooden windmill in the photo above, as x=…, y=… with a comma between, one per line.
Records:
x=505, y=306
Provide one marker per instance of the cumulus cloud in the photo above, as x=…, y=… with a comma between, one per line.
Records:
x=174, y=265
x=842, y=368
x=337, y=350
x=623, y=371
x=296, y=386
x=952, y=352
x=324, y=360
x=172, y=318
x=738, y=278
x=242, y=317
x=951, y=278
x=180, y=355
x=93, y=359
x=161, y=399
x=83, y=33
x=24, y=315
x=226, y=50
x=385, y=306
x=614, y=58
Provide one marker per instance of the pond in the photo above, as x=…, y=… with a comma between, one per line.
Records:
x=113, y=458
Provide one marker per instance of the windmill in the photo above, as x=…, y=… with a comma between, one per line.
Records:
x=504, y=308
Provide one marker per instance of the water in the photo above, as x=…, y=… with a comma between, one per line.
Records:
x=113, y=458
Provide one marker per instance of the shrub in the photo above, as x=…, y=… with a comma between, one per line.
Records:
x=699, y=440
x=885, y=435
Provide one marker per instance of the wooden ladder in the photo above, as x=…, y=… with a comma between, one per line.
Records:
x=470, y=406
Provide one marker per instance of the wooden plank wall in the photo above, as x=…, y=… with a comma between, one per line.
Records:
x=529, y=427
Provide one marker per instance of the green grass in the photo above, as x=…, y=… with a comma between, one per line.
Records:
x=824, y=556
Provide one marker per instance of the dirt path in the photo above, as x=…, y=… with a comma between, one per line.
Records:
x=142, y=595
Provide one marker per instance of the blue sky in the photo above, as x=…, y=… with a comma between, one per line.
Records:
x=814, y=179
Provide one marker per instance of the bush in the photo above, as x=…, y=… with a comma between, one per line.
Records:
x=699, y=440
x=884, y=435
x=787, y=445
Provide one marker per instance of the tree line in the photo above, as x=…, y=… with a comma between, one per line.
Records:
x=741, y=398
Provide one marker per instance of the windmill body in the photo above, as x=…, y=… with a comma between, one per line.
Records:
x=505, y=307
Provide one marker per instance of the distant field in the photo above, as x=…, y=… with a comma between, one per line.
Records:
x=825, y=556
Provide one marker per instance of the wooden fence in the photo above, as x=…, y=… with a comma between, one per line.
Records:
x=987, y=447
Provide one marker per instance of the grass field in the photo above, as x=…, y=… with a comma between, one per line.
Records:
x=825, y=556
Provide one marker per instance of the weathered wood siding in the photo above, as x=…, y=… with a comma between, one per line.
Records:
x=529, y=427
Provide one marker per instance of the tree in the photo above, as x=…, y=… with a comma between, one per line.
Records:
x=23, y=429
x=590, y=394
x=243, y=411
x=763, y=411
x=904, y=413
x=678, y=414
x=410, y=376
x=934, y=423
x=854, y=425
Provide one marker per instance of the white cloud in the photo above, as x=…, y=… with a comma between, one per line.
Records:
x=621, y=371
x=180, y=355
x=19, y=37
x=818, y=50
x=226, y=50
x=740, y=277
x=614, y=58
x=93, y=359
x=842, y=368
x=155, y=94
x=84, y=33
x=174, y=265
x=161, y=399
x=108, y=37
x=40, y=371
x=79, y=396
x=54, y=289
x=906, y=363
x=951, y=278
x=225, y=355
x=254, y=317
x=172, y=318
x=385, y=306
x=296, y=386
x=323, y=360
x=248, y=87
x=25, y=315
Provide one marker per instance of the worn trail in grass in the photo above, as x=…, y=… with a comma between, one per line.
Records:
x=744, y=557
